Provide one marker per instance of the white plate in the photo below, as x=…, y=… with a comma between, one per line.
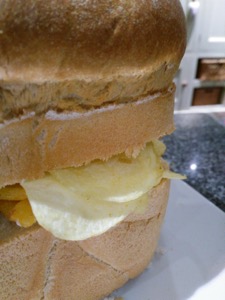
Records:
x=190, y=259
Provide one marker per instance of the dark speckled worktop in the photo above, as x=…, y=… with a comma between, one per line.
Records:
x=197, y=149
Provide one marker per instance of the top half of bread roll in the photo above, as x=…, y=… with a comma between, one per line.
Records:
x=95, y=75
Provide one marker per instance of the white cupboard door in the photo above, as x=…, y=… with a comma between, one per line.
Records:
x=212, y=35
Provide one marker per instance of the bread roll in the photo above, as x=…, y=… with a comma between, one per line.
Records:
x=79, y=81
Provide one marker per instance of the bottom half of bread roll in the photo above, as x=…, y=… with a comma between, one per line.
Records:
x=37, y=266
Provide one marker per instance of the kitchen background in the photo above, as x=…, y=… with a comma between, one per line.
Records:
x=201, y=77
x=197, y=147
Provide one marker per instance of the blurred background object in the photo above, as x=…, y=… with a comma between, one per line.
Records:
x=201, y=77
x=197, y=147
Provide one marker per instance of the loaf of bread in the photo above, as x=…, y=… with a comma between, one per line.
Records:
x=82, y=81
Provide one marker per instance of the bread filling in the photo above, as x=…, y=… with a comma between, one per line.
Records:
x=78, y=203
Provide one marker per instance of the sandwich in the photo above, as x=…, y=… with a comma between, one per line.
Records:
x=86, y=93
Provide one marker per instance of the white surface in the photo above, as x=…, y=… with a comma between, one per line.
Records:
x=190, y=260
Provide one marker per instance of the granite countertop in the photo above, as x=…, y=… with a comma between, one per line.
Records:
x=197, y=149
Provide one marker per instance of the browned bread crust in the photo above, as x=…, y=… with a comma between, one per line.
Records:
x=82, y=54
x=37, y=266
